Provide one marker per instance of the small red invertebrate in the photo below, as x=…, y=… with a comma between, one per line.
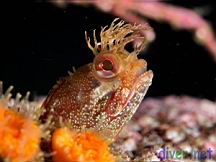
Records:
x=68, y=146
x=103, y=95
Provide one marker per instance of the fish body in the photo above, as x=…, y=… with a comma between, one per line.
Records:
x=103, y=96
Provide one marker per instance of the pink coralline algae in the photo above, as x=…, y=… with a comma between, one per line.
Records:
x=135, y=10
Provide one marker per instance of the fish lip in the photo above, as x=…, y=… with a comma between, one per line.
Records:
x=143, y=81
x=141, y=71
x=144, y=75
x=137, y=94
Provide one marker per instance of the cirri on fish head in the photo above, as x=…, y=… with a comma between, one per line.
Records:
x=104, y=95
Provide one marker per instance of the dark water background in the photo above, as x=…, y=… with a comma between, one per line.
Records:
x=42, y=42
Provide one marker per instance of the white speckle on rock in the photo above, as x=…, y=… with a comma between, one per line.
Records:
x=175, y=135
x=129, y=145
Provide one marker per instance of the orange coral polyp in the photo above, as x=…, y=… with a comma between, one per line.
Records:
x=69, y=146
x=20, y=137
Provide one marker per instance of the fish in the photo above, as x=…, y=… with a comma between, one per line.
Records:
x=102, y=96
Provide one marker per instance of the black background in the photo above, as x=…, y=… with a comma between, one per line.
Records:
x=42, y=42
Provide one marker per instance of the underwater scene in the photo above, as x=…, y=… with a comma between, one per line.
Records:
x=108, y=81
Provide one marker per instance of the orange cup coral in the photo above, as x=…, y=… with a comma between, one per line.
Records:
x=20, y=137
x=69, y=146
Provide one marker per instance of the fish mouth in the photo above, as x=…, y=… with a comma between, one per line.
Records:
x=141, y=85
x=115, y=120
x=141, y=71
x=135, y=96
x=118, y=120
x=142, y=81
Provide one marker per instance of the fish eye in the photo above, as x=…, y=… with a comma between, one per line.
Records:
x=106, y=66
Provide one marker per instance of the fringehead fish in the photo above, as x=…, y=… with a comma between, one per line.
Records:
x=103, y=95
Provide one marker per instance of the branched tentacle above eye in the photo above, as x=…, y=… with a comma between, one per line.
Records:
x=117, y=36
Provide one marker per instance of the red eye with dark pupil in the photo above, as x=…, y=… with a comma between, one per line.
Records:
x=107, y=65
